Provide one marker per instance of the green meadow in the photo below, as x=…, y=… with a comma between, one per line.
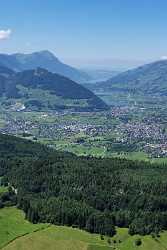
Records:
x=13, y=225
x=18, y=234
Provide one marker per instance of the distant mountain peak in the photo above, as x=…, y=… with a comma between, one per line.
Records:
x=46, y=53
x=43, y=59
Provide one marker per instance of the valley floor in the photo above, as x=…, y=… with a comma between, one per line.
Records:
x=18, y=234
x=121, y=132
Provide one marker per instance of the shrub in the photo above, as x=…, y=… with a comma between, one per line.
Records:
x=138, y=242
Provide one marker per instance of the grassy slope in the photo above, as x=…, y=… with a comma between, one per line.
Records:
x=127, y=242
x=38, y=237
x=59, y=238
x=44, y=97
x=13, y=225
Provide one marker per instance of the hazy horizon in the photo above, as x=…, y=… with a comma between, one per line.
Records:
x=96, y=63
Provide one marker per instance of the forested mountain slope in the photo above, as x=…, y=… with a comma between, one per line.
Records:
x=46, y=90
x=148, y=79
x=93, y=194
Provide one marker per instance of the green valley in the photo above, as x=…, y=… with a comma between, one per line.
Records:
x=131, y=132
x=83, y=125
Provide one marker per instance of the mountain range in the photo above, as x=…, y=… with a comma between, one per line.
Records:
x=147, y=79
x=43, y=59
x=41, y=89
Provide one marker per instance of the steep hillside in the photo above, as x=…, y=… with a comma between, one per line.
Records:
x=43, y=59
x=7, y=85
x=148, y=79
x=45, y=90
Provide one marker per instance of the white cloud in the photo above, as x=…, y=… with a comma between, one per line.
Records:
x=163, y=57
x=5, y=34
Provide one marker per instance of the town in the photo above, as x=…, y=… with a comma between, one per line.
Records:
x=117, y=130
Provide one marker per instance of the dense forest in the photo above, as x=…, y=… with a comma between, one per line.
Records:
x=89, y=193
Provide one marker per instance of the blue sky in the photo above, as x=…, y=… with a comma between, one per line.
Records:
x=82, y=32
